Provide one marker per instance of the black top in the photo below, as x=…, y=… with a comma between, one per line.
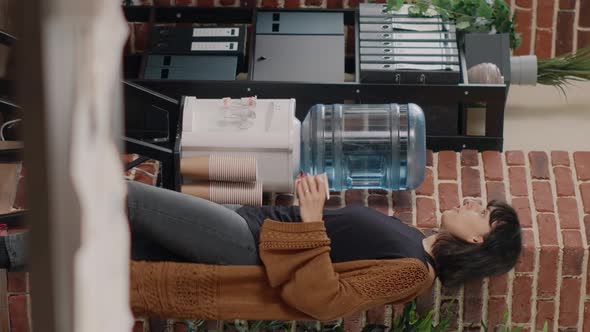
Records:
x=356, y=232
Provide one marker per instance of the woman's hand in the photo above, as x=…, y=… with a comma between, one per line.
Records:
x=311, y=192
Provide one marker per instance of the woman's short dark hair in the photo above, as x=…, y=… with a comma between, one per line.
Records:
x=458, y=261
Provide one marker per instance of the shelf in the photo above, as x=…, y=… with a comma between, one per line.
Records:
x=11, y=151
x=312, y=93
x=309, y=94
x=132, y=65
x=13, y=219
x=6, y=106
x=7, y=39
x=218, y=15
x=444, y=105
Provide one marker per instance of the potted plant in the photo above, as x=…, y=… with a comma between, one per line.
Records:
x=489, y=16
x=561, y=70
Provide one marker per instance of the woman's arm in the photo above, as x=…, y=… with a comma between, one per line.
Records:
x=296, y=257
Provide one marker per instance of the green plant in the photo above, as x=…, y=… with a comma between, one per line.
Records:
x=258, y=325
x=504, y=326
x=284, y=326
x=410, y=321
x=562, y=70
x=469, y=15
x=335, y=327
x=191, y=325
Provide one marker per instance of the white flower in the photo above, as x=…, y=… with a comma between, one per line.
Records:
x=490, y=2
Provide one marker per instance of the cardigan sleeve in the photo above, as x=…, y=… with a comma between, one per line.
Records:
x=296, y=257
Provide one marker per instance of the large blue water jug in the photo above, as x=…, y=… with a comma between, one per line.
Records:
x=365, y=146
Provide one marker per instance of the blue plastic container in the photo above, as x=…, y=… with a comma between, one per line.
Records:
x=365, y=146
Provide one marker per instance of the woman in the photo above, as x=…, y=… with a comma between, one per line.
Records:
x=200, y=260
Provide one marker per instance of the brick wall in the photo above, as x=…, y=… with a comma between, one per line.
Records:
x=14, y=286
x=548, y=27
x=14, y=301
x=551, y=192
x=551, y=27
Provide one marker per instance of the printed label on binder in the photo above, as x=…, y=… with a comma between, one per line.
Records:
x=214, y=46
x=216, y=32
x=422, y=44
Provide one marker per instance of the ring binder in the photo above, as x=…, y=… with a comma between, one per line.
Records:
x=409, y=36
x=409, y=59
x=409, y=51
x=396, y=47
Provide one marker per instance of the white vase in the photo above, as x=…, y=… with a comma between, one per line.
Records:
x=523, y=70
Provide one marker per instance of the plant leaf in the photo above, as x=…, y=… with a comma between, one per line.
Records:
x=339, y=328
x=425, y=324
x=463, y=25
x=484, y=10
x=241, y=325
x=446, y=320
x=394, y=4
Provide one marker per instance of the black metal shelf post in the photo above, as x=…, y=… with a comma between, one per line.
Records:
x=139, y=100
x=13, y=151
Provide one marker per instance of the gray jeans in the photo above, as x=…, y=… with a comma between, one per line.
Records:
x=171, y=226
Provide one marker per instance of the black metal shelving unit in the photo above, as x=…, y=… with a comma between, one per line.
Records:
x=9, y=153
x=444, y=105
x=140, y=100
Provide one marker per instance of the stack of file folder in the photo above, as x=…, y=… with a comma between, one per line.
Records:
x=195, y=53
x=398, y=48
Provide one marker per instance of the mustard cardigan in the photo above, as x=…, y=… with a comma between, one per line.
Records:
x=297, y=281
